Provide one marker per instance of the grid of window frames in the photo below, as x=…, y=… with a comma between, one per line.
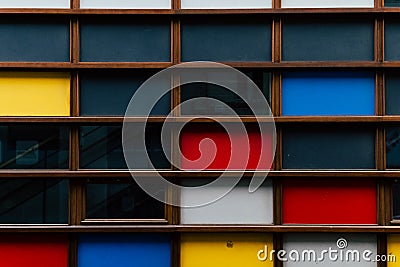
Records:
x=68, y=69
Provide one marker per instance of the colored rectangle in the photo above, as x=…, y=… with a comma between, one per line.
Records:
x=127, y=42
x=108, y=93
x=326, y=93
x=34, y=94
x=330, y=147
x=327, y=4
x=393, y=250
x=34, y=147
x=396, y=201
x=392, y=94
x=239, y=206
x=121, y=201
x=325, y=40
x=124, y=250
x=126, y=4
x=392, y=147
x=34, y=250
x=392, y=3
x=35, y=4
x=338, y=249
x=392, y=39
x=34, y=41
x=248, y=41
x=33, y=201
x=212, y=148
x=329, y=202
x=227, y=249
x=225, y=4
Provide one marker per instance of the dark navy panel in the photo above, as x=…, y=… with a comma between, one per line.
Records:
x=149, y=41
x=325, y=93
x=392, y=3
x=325, y=41
x=108, y=94
x=396, y=201
x=393, y=147
x=392, y=94
x=32, y=41
x=124, y=250
x=392, y=40
x=229, y=41
x=328, y=148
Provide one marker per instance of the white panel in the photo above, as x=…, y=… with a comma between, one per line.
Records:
x=34, y=4
x=127, y=4
x=225, y=4
x=326, y=3
x=306, y=244
x=237, y=207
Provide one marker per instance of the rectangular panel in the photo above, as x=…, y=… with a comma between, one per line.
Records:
x=393, y=248
x=127, y=42
x=305, y=250
x=124, y=250
x=230, y=249
x=327, y=3
x=392, y=3
x=121, y=201
x=392, y=40
x=225, y=4
x=101, y=148
x=126, y=4
x=392, y=147
x=248, y=41
x=326, y=93
x=245, y=89
x=34, y=147
x=328, y=40
x=34, y=94
x=34, y=4
x=108, y=93
x=392, y=94
x=239, y=206
x=34, y=41
x=33, y=201
x=396, y=201
x=232, y=151
x=329, y=148
x=34, y=250
x=329, y=202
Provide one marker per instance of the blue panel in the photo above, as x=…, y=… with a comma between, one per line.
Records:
x=328, y=94
x=124, y=250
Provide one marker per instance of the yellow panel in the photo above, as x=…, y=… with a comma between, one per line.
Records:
x=224, y=250
x=34, y=94
x=394, y=249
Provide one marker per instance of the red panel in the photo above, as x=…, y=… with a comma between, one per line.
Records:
x=27, y=250
x=329, y=202
x=243, y=153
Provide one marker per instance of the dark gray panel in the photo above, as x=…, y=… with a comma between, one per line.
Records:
x=396, y=201
x=34, y=42
x=392, y=3
x=140, y=42
x=393, y=147
x=328, y=148
x=392, y=40
x=327, y=41
x=392, y=94
x=109, y=94
x=230, y=41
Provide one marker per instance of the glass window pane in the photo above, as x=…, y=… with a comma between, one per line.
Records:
x=392, y=94
x=33, y=201
x=396, y=201
x=327, y=93
x=128, y=42
x=329, y=148
x=121, y=201
x=239, y=206
x=225, y=4
x=248, y=41
x=34, y=147
x=392, y=40
x=392, y=3
x=34, y=41
x=116, y=250
x=327, y=3
x=101, y=148
x=34, y=4
x=326, y=202
x=108, y=94
x=34, y=94
x=392, y=147
x=194, y=90
x=327, y=40
x=130, y=4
